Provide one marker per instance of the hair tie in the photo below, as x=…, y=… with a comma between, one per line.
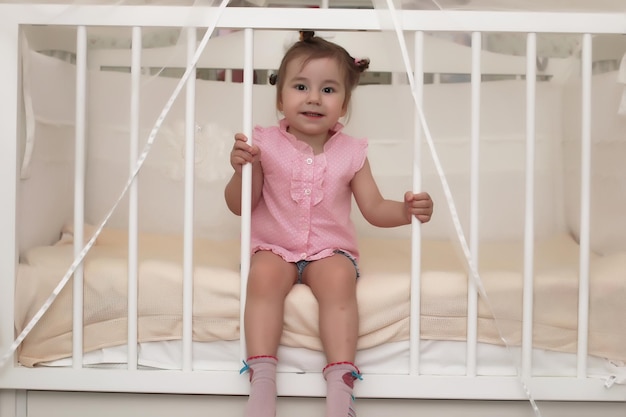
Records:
x=273, y=79
x=362, y=63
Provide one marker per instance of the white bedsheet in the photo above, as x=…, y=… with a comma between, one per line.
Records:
x=444, y=358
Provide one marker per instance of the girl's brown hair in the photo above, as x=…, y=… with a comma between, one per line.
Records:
x=315, y=47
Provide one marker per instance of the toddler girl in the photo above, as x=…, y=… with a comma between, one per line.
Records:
x=305, y=172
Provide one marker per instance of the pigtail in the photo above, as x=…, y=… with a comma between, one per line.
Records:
x=362, y=64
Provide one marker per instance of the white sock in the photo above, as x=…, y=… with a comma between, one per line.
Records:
x=340, y=378
x=262, y=398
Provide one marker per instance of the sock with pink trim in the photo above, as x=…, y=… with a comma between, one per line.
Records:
x=262, y=398
x=340, y=378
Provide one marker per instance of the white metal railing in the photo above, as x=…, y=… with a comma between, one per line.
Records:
x=133, y=199
x=246, y=190
x=472, y=290
x=317, y=19
x=529, y=220
x=416, y=241
x=190, y=151
x=79, y=192
x=585, y=203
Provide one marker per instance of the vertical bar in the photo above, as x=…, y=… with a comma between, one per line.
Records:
x=416, y=236
x=472, y=294
x=585, y=199
x=79, y=193
x=10, y=122
x=21, y=403
x=9, y=401
x=529, y=222
x=246, y=189
x=190, y=137
x=133, y=198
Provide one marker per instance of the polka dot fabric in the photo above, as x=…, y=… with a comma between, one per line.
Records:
x=305, y=210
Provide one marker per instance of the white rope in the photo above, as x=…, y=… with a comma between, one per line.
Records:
x=29, y=112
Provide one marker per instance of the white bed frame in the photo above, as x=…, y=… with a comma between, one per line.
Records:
x=77, y=391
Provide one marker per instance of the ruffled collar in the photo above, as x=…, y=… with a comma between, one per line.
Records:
x=303, y=146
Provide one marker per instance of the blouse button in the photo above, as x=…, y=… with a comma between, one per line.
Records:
x=309, y=161
x=303, y=255
x=307, y=191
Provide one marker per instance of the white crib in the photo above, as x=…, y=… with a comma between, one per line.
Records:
x=538, y=189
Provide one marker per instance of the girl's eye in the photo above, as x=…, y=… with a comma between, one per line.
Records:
x=328, y=90
x=300, y=87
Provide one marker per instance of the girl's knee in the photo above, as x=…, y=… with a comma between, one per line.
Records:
x=336, y=271
x=334, y=284
x=270, y=275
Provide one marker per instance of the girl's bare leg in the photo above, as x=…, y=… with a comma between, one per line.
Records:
x=269, y=282
x=333, y=282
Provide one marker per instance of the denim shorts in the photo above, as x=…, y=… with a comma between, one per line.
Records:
x=300, y=265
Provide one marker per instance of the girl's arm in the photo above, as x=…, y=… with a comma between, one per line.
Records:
x=387, y=213
x=242, y=154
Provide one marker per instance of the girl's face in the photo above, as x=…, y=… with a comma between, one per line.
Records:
x=312, y=98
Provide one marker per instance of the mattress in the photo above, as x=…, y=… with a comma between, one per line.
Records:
x=383, y=294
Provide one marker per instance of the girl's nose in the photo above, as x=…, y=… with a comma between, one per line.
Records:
x=313, y=97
